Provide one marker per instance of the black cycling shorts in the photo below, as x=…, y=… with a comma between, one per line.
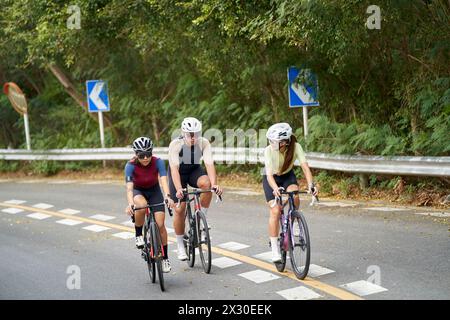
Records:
x=153, y=195
x=190, y=177
x=284, y=181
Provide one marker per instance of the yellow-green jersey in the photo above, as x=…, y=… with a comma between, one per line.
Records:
x=274, y=159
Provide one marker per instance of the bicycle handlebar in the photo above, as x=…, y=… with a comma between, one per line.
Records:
x=196, y=191
x=283, y=192
x=152, y=206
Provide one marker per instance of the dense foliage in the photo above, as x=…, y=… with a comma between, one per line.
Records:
x=382, y=91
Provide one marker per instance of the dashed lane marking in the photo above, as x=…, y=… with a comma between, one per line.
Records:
x=12, y=210
x=363, y=288
x=38, y=216
x=233, y=246
x=124, y=235
x=43, y=206
x=317, y=271
x=225, y=262
x=69, y=222
x=96, y=228
x=14, y=201
x=258, y=276
x=69, y=211
x=329, y=289
x=299, y=293
x=102, y=217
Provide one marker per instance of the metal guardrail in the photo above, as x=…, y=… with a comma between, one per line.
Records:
x=415, y=166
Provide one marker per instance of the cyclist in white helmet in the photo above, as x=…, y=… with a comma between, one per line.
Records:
x=141, y=176
x=185, y=153
x=279, y=158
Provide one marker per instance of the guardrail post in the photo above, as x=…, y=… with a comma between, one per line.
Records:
x=363, y=181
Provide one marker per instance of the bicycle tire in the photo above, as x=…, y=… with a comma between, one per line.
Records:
x=147, y=248
x=203, y=240
x=301, y=244
x=157, y=247
x=189, y=236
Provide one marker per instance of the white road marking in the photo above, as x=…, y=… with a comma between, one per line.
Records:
x=124, y=235
x=225, y=262
x=259, y=276
x=336, y=204
x=233, y=246
x=363, y=288
x=69, y=211
x=43, y=206
x=102, y=217
x=39, y=216
x=128, y=223
x=435, y=214
x=69, y=222
x=299, y=293
x=13, y=201
x=62, y=181
x=97, y=182
x=317, y=271
x=387, y=209
x=96, y=228
x=32, y=181
x=12, y=210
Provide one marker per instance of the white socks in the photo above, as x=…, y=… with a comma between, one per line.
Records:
x=180, y=242
x=274, y=245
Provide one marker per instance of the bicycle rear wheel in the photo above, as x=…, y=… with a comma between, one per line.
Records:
x=189, y=241
x=204, y=241
x=148, y=253
x=158, y=253
x=300, y=246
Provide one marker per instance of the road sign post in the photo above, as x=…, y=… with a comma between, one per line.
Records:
x=303, y=92
x=19, y=103
x=98, y=101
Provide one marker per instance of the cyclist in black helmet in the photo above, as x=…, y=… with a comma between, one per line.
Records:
x=141, y=175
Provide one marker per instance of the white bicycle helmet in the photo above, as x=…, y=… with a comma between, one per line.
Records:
x=143, y=144
x=279, y=131
x=191, y=125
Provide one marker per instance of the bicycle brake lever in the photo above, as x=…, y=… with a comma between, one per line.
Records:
x=275, y=202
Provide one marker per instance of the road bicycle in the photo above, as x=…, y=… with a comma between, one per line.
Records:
x=196, y=235
x=153, y=250
x=294, y=235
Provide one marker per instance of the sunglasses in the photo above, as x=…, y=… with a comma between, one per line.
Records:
x=192, y=134
x=142, y=155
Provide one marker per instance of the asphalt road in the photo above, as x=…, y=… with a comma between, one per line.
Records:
x=357, y=252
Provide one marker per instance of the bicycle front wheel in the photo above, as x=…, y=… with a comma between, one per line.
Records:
x=189, y=240
x=204, y=241
x=148, y=252
x=158, y=253
x=300, y=246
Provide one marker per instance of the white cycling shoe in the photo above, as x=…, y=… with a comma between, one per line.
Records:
x=276, y=257
x=166, y=267
x=182, y=254
x=140, y=242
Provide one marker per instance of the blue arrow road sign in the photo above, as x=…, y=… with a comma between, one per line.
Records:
x=303, y=88
x=97, y=95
